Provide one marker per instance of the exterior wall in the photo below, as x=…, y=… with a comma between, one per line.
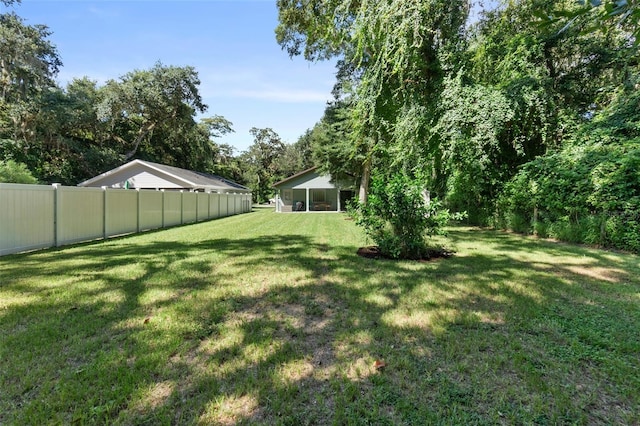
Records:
x=308, y=180
x=138, y=177
x=38, y=216
x=314, y=191
x=145, y=179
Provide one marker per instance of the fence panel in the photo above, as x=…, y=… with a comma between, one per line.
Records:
x=189, y=207
x=202, y=209
x=39, y=216
x=79, y=214
x=150, y=204
x=121, y=212
x=237, y=200
x=214, y=205
x=224, y=205
x=172, y=208
x=26, y=217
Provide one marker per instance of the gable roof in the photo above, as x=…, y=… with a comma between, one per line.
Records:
x=296, y=176
x=187, y=179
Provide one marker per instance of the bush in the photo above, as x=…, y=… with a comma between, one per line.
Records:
x=586, y=193
x=398, y=218
x=13, y=172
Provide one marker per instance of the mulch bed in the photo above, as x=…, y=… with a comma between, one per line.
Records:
x=373, y=252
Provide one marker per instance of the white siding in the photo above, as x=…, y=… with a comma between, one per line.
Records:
x=149, y=180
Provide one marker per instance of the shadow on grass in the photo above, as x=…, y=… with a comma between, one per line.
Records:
x=285, y=329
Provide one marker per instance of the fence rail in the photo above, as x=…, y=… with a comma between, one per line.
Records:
x=38, y=216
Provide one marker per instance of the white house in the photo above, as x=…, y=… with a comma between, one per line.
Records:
x=141, y=174
x=309, y=191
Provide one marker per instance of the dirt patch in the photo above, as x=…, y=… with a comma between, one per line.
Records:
x=373, y=252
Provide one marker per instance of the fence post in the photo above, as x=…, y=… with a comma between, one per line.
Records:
x=162, y=190
x=138, y=207
x=197, y=205
x=104, y=212
x=181, y=207
x=56, y=222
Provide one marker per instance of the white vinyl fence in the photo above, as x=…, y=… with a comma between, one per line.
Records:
x=39, y=216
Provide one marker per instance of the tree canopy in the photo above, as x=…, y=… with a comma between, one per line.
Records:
x=462, y=107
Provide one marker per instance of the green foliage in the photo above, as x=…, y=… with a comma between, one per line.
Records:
x=398, y=217
x=596, y=15
x=29, y=61
x=333, y=147
x=585, y=193
x=13, y=172
x=588, y=191
x=261, y=162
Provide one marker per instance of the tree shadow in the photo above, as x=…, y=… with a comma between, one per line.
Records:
x=245, y=343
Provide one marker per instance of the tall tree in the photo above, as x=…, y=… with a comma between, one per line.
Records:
x=29, y=63
x=143, y=100
x=399, y=50
x=261, y=160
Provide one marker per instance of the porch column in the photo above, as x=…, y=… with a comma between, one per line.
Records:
x=338, y=209
x=307, y=203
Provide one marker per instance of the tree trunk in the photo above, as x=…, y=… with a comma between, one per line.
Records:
x=364, y=182
x=146, y=129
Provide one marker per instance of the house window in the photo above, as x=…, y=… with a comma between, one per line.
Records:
x=287, y=195
x=319, y=196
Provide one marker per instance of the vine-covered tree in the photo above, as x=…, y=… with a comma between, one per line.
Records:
x=396, y=54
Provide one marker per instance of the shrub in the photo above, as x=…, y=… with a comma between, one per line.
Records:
x=587, y=193
x=398, y=218
x=13, y=172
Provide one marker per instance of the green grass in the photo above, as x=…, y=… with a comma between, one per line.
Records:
x=272, y=318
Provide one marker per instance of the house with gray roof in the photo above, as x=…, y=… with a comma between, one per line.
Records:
x=311, y=191
x=139, y=174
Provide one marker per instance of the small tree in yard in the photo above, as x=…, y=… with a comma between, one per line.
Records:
x=14, y=172
x=399, y=219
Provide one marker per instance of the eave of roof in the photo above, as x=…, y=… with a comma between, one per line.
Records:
x=190, y=178
x=297, y=175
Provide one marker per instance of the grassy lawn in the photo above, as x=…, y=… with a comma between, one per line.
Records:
x=272, y=318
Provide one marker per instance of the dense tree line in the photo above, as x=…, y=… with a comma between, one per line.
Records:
x=536, y=96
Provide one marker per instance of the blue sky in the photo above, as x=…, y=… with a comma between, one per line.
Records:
x=245, y=75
